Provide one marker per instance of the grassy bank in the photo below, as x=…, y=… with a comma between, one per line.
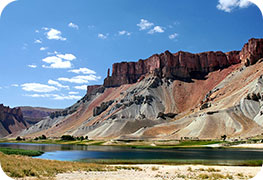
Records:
x=55, y=141
x=22, y=152
x=22, y=166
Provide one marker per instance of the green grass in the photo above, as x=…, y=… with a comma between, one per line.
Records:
x=22, y=152
x=56, y=141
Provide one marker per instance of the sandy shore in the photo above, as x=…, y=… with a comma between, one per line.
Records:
x=249, y=145
x=167, y=172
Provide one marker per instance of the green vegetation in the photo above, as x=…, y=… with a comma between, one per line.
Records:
x=67, y=138
x=56, y=141
x=22, y=152
x=43, y=137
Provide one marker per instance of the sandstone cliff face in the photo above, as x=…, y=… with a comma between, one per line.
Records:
x=182, y=65
x=252, y=51
x=11, y=120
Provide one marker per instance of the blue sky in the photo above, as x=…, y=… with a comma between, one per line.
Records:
x=51, y=49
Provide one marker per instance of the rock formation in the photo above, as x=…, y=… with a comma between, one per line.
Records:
x=252, y=51
x=11, y=120
x=182, y=65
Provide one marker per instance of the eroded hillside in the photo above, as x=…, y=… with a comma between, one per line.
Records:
x=169, y=96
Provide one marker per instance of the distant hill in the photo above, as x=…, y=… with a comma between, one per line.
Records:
x=33, y=115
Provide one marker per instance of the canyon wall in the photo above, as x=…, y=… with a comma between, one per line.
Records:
x=184, y=66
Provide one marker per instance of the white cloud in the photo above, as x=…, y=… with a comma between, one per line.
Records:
x=39, y=95
x=55, y=96
x=83, y=87
x=54, y=34
x=67, y=97
x=102, y=36
x=80, y=79
x=156, y=29
x=72, y=25
x=121, y=33
x=173, y=36
x=32, y=66
x=68, y=57
x=43, y=48
x=15, y=85
x=73, y=92
x=37, y=41
x=37, y=31
x=36, y=87
x=55, y=83
x=83, y=71
x=229, y=5
x=145, y=24
x=56, y=63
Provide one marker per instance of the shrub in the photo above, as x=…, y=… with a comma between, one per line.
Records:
x=67, y=138
x=19, y=138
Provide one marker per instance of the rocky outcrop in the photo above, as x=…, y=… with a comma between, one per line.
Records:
x=182, y=65
x=11, y=120
x=91, y=89
x=104, y=106
x=252, y=51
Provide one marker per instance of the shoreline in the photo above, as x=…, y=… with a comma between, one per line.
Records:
x=148, y=144
x=27, y=168
x=168, y=172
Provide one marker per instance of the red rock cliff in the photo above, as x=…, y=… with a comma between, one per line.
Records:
x=252, y=51
x=181, y=65
x=11, y=120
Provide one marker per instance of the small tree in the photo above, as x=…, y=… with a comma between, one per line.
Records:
x=43, y=137
x=18, y=138
x=81, y=138
x=67, y=138
x=224, y=137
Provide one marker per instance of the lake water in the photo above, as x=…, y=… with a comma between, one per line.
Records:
x=82, y=152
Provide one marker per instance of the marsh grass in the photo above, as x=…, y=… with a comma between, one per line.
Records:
x=20, y=152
